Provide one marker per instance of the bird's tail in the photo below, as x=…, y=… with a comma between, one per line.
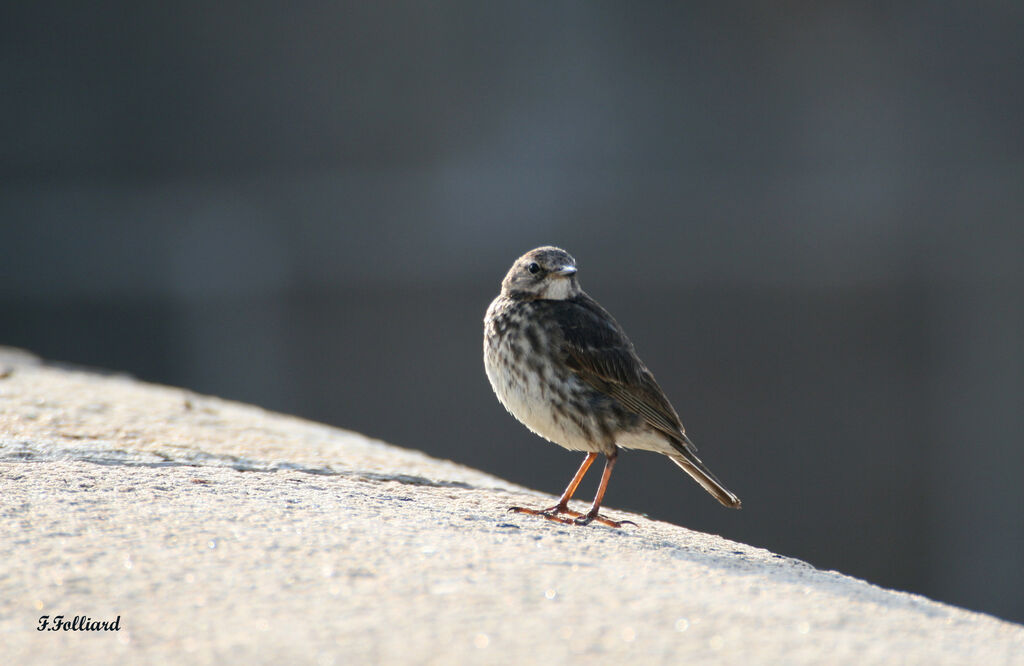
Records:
x=693, y=466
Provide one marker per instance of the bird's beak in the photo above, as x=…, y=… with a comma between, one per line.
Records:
x=565, y=271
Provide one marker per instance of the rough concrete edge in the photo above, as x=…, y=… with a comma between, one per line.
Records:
x=831, y=581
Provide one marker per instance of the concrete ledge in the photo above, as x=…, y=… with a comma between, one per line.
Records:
x=219, y=532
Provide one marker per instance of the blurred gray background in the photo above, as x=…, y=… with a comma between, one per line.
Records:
x=808, y=217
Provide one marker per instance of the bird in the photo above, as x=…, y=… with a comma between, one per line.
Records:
x=561, y=365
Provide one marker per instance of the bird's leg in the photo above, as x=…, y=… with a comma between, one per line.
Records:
x=551, y=513
x=593, y=514
x=570, y=490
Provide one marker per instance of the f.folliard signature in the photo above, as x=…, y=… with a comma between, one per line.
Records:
x=77, y=623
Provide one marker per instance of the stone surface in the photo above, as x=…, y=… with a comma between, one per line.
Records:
x=219, y=532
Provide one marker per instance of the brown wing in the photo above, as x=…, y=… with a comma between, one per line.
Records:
x=597, y=349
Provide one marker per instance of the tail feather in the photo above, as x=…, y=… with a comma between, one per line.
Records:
x=693, y=466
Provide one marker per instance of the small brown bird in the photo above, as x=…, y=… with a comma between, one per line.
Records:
x=563, y=366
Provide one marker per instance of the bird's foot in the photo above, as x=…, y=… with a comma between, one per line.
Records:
x=551, y=513
x=571, y=517
x=586, y=519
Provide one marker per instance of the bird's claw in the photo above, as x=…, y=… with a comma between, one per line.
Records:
x=549, y=513
x=573, y=518
x=587, y=519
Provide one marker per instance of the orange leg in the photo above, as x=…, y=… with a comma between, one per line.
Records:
x=593, y=514
x=577, y=518
x=570, y=490
x=552, y=512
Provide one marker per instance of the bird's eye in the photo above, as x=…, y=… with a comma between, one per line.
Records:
x=533, y=268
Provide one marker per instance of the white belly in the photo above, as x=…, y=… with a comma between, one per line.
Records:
x=525, y=397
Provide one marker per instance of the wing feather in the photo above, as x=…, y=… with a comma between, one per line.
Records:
x=597, y=349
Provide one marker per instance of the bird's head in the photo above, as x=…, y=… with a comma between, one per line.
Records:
x=546, y=272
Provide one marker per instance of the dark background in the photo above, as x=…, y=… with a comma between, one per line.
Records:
x=808, y=216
